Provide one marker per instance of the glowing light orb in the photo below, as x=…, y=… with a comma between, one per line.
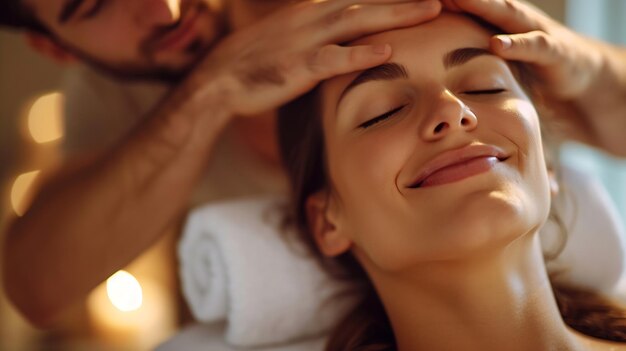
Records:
x=19, y=190
x=45, y=118
x=124, y=291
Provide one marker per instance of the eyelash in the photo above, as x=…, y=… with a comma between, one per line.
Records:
x=486, y=91
x=386, y=115
x=380, y=118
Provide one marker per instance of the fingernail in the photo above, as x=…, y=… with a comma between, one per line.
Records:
x=505, y=41
x=380, y=49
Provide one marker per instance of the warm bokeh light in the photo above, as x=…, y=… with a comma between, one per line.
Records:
x=174, y=6
x=124, y=291
x=45, y=118
x=140, y=329
x=19, y=190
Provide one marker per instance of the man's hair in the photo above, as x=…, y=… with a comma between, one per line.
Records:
x=16, y=15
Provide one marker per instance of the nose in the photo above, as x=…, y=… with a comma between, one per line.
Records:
x=448, y=115
x=151, y=13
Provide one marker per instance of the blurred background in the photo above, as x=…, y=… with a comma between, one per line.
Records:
x=139, y=307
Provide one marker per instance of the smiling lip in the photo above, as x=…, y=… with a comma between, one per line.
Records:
x=454, y=165
x=182, y=35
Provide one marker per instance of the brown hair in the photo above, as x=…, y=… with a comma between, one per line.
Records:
x=367, y=328
x=17, y=15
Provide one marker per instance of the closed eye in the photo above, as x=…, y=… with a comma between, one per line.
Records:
x=380, y=118
x=486, y=91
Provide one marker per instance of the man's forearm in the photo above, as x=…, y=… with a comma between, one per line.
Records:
x=604, y=107
x=88, y=223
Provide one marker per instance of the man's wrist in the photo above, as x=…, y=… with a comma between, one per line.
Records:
x=603, y=104
x=608, y=82
x=619, y=64
x=210, y=107
x=196, y=106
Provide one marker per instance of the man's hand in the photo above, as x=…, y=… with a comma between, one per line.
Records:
x=582, y=75
x=287, y=53
x=565, y=63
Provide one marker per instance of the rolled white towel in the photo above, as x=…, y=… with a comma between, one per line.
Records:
x=236, y=264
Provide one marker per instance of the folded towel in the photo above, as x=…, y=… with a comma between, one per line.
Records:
x=236, y=264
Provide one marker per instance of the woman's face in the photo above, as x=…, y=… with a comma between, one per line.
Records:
x=437, y=156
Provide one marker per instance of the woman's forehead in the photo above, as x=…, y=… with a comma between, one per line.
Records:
x=446, y=29
x=424, y=45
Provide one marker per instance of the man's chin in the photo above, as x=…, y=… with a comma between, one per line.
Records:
x=150, y=71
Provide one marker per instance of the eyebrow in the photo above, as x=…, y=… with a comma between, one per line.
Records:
x=69, y=9
x=387, y=71
x=460, y=56
x=393, y=71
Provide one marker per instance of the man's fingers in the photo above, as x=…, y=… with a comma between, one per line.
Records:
x=333, y=60
x=358, y=20
x=511, y=15
x=334, y=5
x=534, y=47
x=314, y=11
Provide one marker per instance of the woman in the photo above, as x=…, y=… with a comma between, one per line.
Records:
x=427, y=175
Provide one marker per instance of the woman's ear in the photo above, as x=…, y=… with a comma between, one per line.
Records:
x=330, y=240
x=49, y=48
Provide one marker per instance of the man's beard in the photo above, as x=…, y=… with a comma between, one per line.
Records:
x=148, y=72
x=149, y=69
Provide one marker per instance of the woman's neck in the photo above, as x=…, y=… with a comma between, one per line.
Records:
x=497, y=301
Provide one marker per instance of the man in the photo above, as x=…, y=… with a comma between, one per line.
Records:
x=95, y=215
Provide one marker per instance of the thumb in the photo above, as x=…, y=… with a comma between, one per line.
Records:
x=533, y=47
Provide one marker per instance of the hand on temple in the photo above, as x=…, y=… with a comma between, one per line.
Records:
x=287, y=53
x=583, y=79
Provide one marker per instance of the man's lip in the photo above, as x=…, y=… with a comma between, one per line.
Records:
x=181, y=35
x=456, y=156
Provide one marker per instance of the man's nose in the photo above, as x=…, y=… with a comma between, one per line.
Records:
x=153, y=13
x=448, y=115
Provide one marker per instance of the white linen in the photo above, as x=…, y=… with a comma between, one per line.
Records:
x=593, y=256
x=210, y=337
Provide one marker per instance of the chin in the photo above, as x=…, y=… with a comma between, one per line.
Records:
x=489, y=223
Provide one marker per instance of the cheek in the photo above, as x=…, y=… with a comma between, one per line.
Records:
x=375, y=214
x=366, y=165
x=522, y=127
x=519, y=124
x=114, y=38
